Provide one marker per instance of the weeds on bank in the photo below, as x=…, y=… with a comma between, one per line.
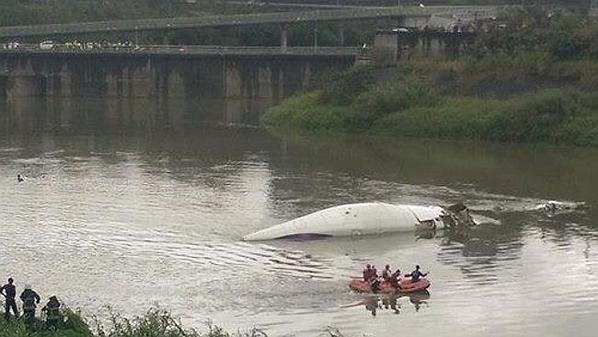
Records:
x=73, y=326
x=155, y=323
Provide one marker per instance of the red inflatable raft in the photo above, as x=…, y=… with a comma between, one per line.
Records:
x=405, y=286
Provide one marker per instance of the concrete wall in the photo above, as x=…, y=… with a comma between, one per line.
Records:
x=386, y=48
x=210, y=76
x=235, y=88
x=389, y=47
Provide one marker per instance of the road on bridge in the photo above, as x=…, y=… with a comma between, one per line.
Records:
x=245, y=19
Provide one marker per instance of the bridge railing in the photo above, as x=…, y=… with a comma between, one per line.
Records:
x=176, y=50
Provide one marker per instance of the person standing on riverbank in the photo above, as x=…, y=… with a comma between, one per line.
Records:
x=30, y=300
x=9, y=291
x=52, y=309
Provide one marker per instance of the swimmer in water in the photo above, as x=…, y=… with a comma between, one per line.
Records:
x=20, y=178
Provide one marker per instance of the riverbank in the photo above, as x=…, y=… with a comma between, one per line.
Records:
x=155, y=323
x=444, y=100
x=504, y=90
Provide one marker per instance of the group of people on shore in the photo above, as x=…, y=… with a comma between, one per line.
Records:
x=370, y=275
x=30, y=300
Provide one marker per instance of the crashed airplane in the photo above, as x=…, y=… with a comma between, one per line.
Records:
x=367, y=219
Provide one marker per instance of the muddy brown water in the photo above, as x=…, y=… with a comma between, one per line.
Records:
x=136, y=215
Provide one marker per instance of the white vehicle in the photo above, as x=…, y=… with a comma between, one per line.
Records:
x=14, y=45
x=401, y=30
x=47, y=45
x=366, y=219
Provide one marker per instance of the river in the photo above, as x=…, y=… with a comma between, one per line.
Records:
x=134, y=214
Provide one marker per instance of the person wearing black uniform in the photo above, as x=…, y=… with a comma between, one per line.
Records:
x=9, y=291
x=52, y=309
x=30, y=298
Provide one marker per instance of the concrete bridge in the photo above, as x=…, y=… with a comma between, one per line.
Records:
x=232, y=85
x=411, y=16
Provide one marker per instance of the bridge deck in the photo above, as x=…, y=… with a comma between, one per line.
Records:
x=237, y=20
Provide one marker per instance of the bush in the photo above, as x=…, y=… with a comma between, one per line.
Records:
x=343, y=88
x=383, y=99
x=74, y=326
x=582, y=130
x=538, y=117
x=451, y=118
x=551, y=115
x=307, y=113
x=155, y=323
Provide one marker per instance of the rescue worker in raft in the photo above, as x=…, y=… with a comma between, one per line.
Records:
x=30, y=300
x=52, y=310
x=375, y=284
x=416, y=274
x=394, y=279
x=386, y=273
x=368, y=273
x=9, y=291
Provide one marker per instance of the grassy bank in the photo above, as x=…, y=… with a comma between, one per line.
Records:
x=561, y=115
x=155, y=323
x=519, y=85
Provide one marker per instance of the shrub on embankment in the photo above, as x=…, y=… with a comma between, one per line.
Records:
x=412, y=106
x=155, y=323
x=74, y=326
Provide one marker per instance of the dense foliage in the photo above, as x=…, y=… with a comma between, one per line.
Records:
x=18, y=12
x=532, y=76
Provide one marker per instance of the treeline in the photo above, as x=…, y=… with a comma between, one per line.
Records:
x=19, y=12
x=25, y=12
x=556, y=34
x=531, y=77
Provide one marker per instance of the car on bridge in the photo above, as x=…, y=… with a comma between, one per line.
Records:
x=12, y=45
x=47, y=45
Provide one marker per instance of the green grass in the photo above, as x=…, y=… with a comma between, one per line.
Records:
x=450, y=118
x=155, y=323
x=305, y=112
x=74, y=326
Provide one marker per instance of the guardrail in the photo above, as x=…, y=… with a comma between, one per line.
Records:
x=61, y=49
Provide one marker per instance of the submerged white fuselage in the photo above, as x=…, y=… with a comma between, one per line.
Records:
x=355, y=219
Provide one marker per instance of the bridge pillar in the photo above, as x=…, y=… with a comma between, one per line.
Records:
x=341, y=34
x=284, y=36
x=401, y=21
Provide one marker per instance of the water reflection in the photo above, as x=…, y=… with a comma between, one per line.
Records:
x=393, y=303
x=82, y=115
